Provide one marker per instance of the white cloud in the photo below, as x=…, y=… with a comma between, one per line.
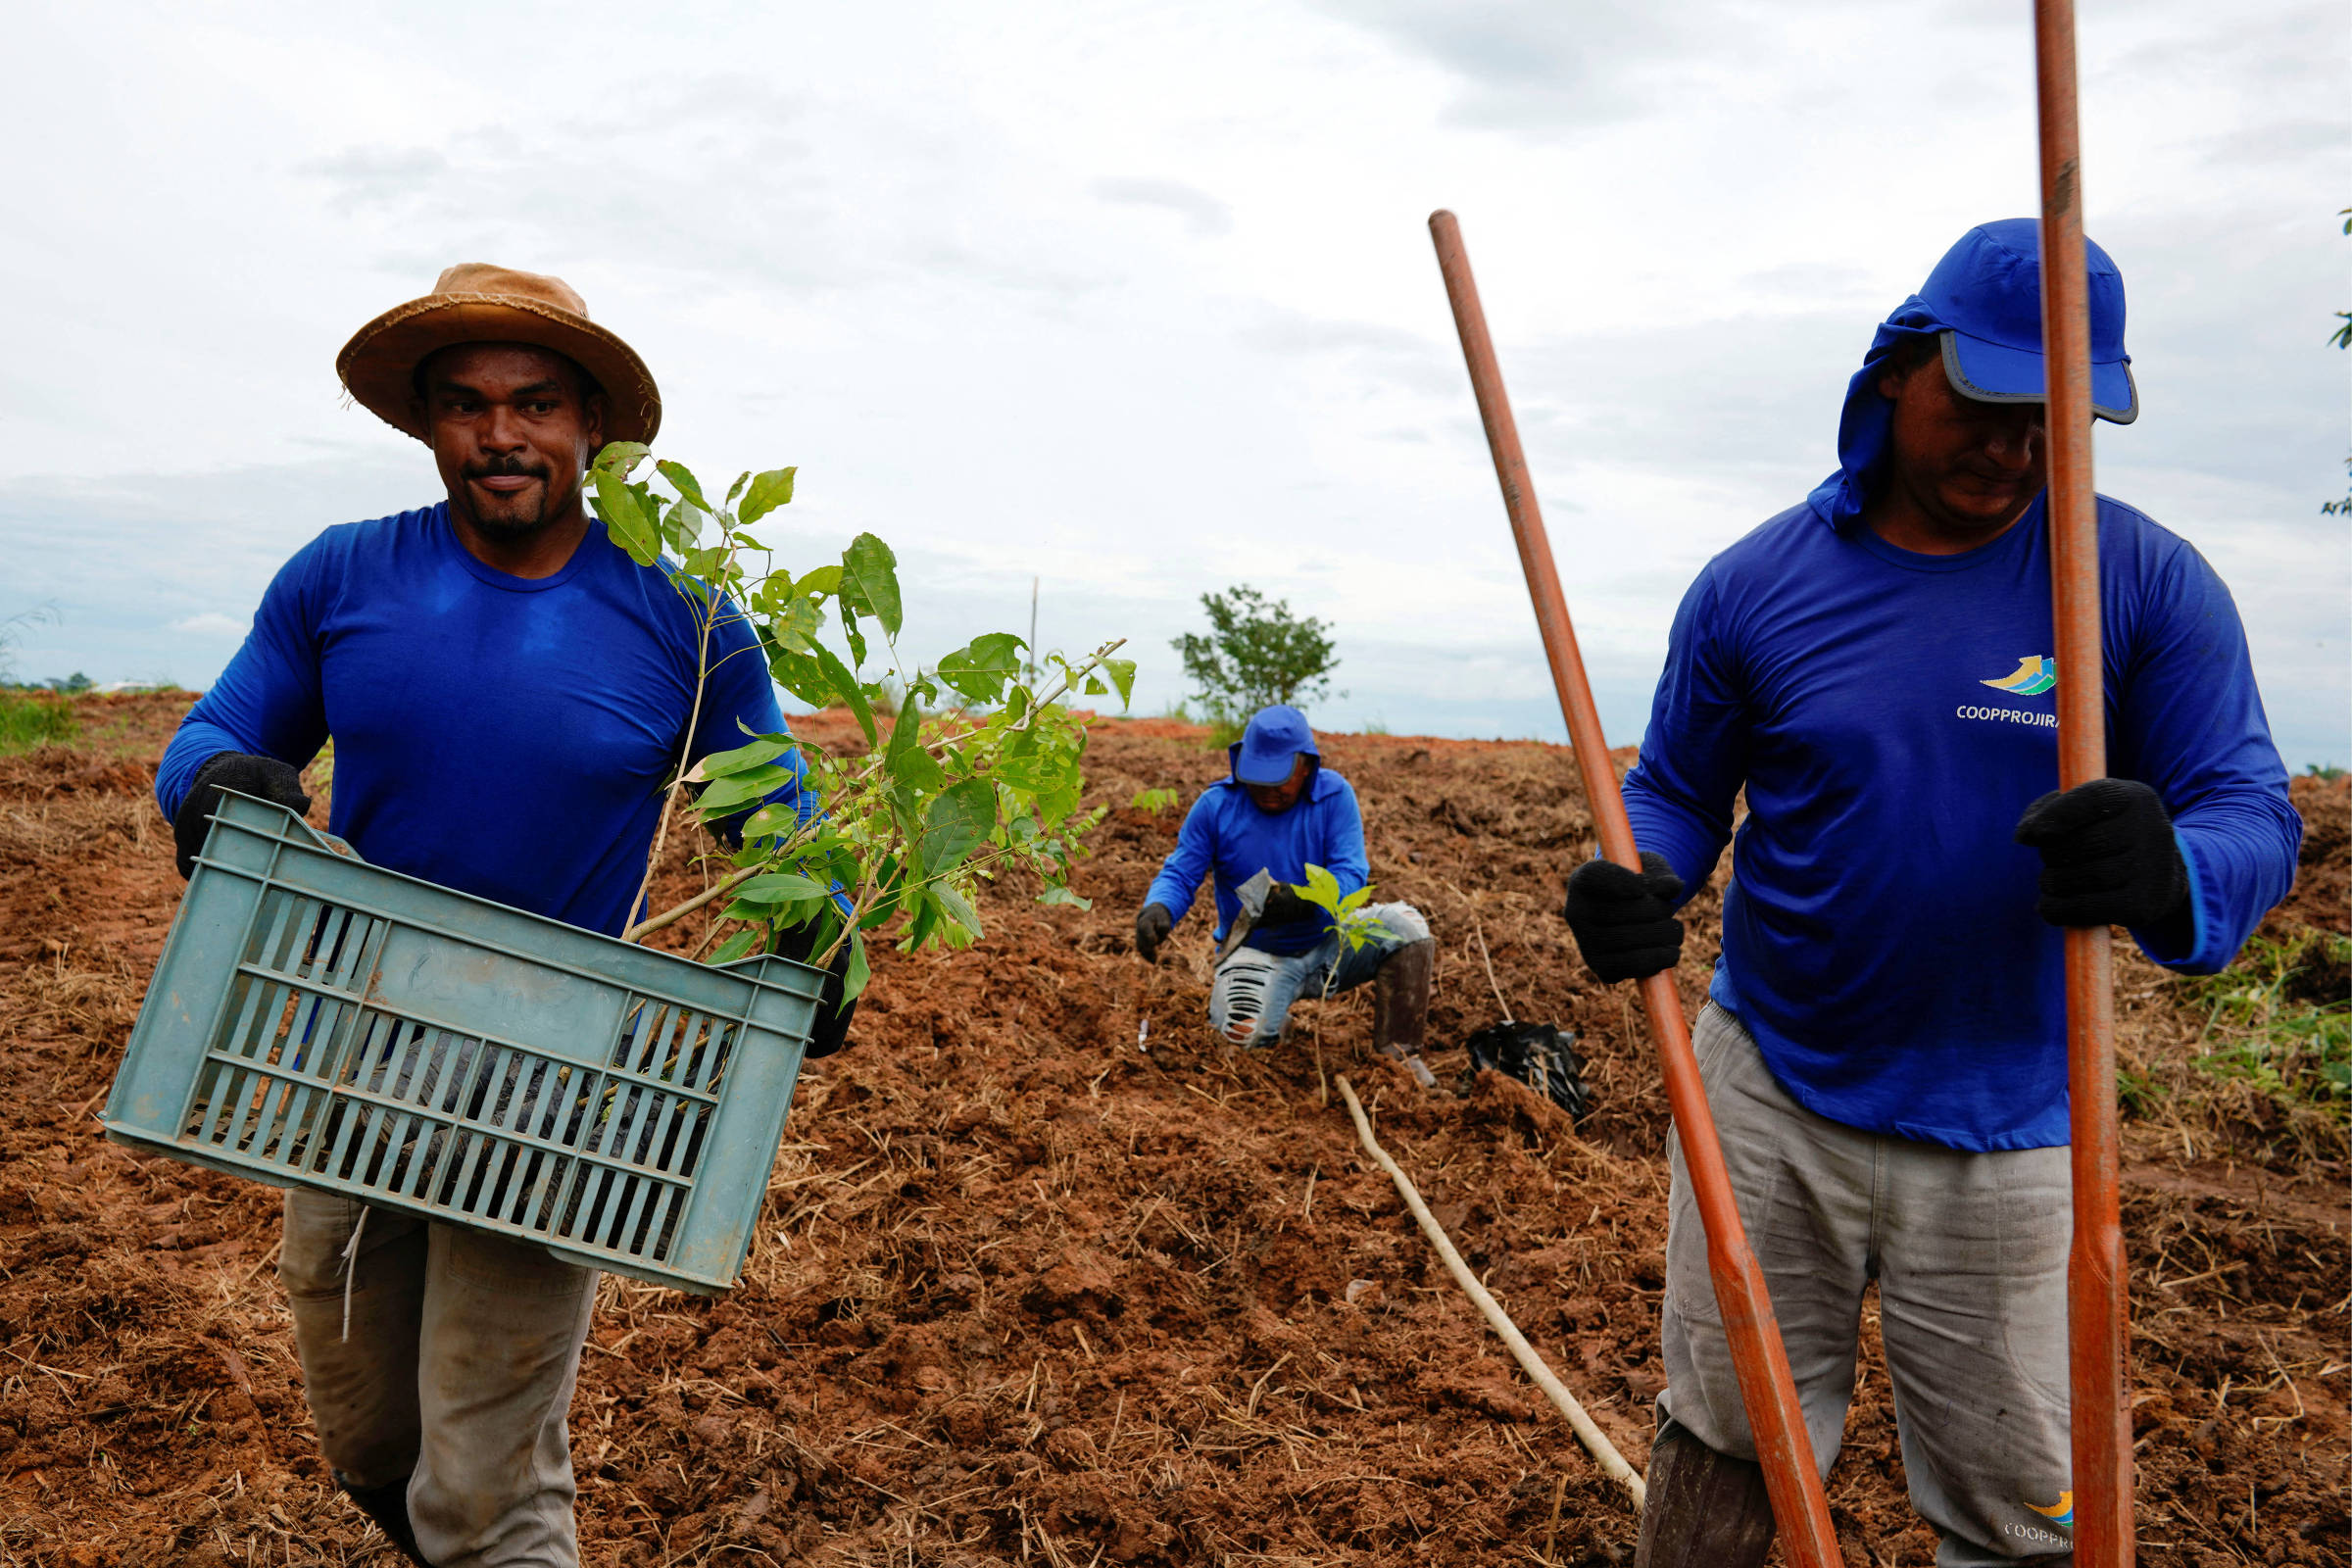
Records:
x=1140, y=302
x=212, y=624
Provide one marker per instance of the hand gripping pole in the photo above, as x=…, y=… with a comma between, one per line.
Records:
x=1782, y=1446
x=2096, y=1279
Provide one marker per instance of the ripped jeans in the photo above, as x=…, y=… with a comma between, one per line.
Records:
x=1255, y=990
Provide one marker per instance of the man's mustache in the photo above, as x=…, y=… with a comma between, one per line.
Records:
x=506, y=470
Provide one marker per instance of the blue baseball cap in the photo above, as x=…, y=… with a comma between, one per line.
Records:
x=1271, y=745
x=1983, y=305
x=1987, y=292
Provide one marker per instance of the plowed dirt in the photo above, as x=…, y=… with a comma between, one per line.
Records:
x=1038, y=1285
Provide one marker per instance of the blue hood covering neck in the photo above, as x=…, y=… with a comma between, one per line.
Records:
x=1868, y=422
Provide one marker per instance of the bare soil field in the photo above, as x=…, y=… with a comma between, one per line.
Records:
x=1039, y=1283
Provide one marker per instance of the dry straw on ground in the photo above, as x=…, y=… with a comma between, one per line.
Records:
x=1026, y=1292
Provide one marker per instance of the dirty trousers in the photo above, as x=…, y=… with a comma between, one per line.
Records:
x=1255, y=990
x=1969, y=1250
x=457, y=1376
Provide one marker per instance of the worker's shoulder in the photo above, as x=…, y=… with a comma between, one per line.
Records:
x=1331, y=791
x=349, y=538
x=344, y=550
x=2130, y=539
x=1770, y=543
x=1769, y=554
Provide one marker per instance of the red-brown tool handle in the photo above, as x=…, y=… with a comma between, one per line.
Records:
x=2095, y=1277
x=1782, y=1446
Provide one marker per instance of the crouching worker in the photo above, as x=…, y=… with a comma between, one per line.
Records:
x=508, y=693
x=1280, y=812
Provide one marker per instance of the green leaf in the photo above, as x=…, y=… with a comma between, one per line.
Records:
x=624, y=516
x=853, y=981
x=622, y=457
x=765, y=748
x=737, y=791
x=821, y=581
x=1320, y=887
x=907, y=760
x=1354, y=900
x=1154, y=800
x=1095, y=687
x=682, y=480
x=1060, y=894
x=779, y=887
x=682, y=525
x=736, y=489
x=735, y=947
x=980, y=670
x=771, y=822
x=1122, y=675
x=869, y=581
x=768, y=491
x=845, y=686
x=958, y=819
x=958, y=908
x=1035, y=774
x=797, y=626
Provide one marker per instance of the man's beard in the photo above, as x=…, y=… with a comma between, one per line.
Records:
x=511, y=525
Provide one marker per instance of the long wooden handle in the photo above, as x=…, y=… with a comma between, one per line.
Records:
x=1596, y=1441
x=2096, y=1284
x=1784, y=1447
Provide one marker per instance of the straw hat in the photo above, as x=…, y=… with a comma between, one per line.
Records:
x=474, y=301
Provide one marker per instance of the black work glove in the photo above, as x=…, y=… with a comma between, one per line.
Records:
x=264, y=777
x=1153, y=924
x=1284, y=907
x=2108, y=857
x=829, y=1030
x=1624, y=920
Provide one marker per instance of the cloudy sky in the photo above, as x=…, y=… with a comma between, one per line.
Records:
x=1137, y=298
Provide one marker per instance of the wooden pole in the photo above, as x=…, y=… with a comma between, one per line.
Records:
x=2096, y=1279
x=1784, y=1447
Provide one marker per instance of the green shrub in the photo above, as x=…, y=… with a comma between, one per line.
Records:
x=2280, y=1020
x=26, y=721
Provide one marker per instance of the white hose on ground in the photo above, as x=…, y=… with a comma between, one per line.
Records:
x=1604, y=1452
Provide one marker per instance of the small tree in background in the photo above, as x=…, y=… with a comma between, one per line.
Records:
x=1256, y=654
x=2342, y=339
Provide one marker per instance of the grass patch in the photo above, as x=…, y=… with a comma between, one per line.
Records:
x=27, y=720
x=2279, y=1020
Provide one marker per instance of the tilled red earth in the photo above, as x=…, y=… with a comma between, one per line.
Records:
x=1038, y=1285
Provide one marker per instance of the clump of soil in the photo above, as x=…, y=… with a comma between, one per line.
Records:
x=1036, y=1285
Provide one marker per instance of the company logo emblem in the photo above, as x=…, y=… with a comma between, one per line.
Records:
x=2061, y=1513
x=2034, y=675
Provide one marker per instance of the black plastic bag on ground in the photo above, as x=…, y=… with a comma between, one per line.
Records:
x=1539, y=1056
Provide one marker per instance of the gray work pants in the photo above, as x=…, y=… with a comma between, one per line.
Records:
x=1969, y=1250
x=457, y=1376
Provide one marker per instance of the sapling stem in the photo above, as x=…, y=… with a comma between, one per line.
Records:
x=1061, y=690
x=707, y=617
x=678, y=911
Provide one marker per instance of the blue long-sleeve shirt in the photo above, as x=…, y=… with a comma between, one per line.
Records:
x=1891, y=715
x=505, y=736
x=1225, y=832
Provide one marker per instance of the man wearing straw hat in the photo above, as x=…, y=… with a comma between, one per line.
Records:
x=1885, y=1044
x=508, y=694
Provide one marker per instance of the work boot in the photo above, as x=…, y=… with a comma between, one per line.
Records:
x=388, y=1506
x=1400, y=1004
x=1705, y=1509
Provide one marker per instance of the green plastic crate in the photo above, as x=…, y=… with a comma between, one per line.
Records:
x=317, y=1021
